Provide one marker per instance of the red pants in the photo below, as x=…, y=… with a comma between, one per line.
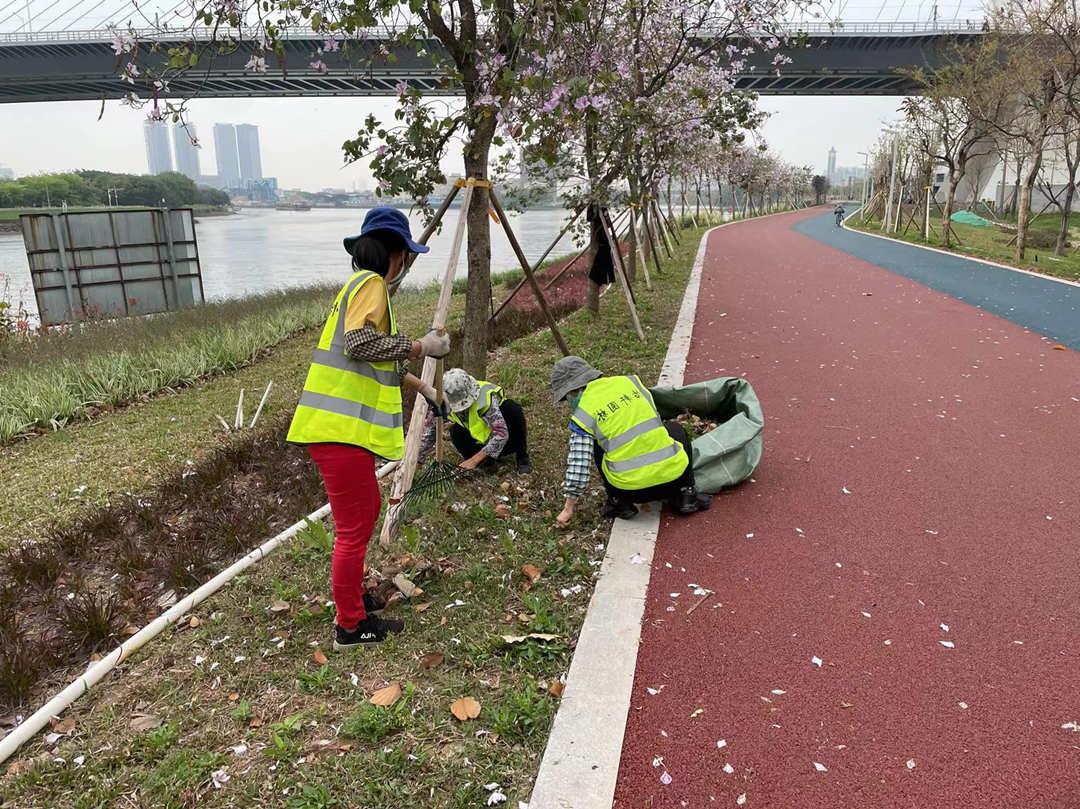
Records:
x=348, y=475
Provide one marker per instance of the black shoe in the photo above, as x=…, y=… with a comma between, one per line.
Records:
x=372, y=605
x=524, y=465
x=369, y=632
x=689, y=501
x=615, y=509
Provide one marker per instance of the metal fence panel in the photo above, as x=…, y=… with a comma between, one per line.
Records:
x=112, y=263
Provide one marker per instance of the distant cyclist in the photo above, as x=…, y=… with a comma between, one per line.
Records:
x=838, y=212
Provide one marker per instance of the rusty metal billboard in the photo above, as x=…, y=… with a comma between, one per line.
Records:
x=112, y=263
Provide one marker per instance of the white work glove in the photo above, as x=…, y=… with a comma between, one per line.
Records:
x=434, y=345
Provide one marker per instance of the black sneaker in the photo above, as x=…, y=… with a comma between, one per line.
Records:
x=369, y=632
x=524, y=465
x=372, y=605
x=615, y=509
x=689, y=501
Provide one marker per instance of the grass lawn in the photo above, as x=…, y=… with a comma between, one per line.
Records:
x=993, y=244
x=247, y=706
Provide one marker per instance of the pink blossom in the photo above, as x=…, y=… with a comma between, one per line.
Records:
x=330, y=45
x=581, y=102
x=320, y=66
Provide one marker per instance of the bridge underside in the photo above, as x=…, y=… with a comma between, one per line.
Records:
x=70, y=71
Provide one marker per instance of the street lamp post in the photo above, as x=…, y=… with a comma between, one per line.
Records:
x=865, y=175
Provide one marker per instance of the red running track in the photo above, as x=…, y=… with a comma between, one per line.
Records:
x=956, y=436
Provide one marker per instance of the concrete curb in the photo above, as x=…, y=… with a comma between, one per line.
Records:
x=581, y=763
x=954, y=254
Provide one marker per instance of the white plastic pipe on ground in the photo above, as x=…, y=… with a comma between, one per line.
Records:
x=97, y=670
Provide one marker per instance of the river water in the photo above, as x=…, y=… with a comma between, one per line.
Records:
x=259, y=250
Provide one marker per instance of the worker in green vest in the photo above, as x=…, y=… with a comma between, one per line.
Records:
x=486, y=426
x=350, y=410
x=614, y=424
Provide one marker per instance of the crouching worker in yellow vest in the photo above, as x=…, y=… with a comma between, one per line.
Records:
x=350, y=411
x=486, y=427
x=614, y=424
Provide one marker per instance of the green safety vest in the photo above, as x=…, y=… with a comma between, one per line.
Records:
x=619, y=412
x=347, y=401
x=477, y=427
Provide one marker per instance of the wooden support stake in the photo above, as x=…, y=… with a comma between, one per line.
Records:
x=620, y=271
x=640, y=249
x=404, y=478
x=539, y=261
x=540, y=299
x=428, y=231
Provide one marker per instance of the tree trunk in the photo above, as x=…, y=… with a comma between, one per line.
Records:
x=1063, y=232
x=1025, y=204
x=478, y=292
x=946, y=213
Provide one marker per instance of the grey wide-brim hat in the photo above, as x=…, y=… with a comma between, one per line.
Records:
x=571, y=373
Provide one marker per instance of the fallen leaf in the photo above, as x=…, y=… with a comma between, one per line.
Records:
x=911, y=764
x=465, y=708
x=697, y=713
x=665, y=778
x=256, y=722
x=948, y=644
x=421, y=607
x=847, y=705
x=530, y=636
x=277, y=605
x=1073, y=726
x=557, y=688
x=739, y=801
x=431, y=660
x=319, y=657
x=532, y=573
x=406, y=587
x=721, y=744
x=194, y=622
x=963, y=707
x=1059, y=347
x=130, y=630
x=728, y=769
x=502, y=511
x=385, y=697
x=779, y=692
x=234, y=696
x=63, y=725
x=817, y=661
x=143, y=721
x=820, y=767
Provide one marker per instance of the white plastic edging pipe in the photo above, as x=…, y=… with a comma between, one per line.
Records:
x=97, y=670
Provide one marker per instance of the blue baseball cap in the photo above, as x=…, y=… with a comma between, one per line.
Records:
x=386, y=218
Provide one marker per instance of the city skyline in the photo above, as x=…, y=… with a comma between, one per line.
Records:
x=185, y=151
x=156, y=141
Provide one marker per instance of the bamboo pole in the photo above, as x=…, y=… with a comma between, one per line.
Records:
x=640, y=250
x=620, y=271
x=661, y=225
x=540, y=299
x=404, y=478
x=97, y=671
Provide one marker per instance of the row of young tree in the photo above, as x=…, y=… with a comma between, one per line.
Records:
x=1009, y=98
x=91, y=188
x=615, y=96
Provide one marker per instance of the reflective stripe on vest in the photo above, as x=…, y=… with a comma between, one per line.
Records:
x=620, y=414
x=479, y=429
x=348, y=401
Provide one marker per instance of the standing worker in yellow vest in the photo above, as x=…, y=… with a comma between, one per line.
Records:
x=485, y=425
x=350, y=410
x=615, y=424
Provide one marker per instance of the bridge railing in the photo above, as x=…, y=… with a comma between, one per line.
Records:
x=105, y=34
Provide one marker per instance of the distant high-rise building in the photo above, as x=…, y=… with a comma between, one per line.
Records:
x=228, y=164
x=187, y=156
x=6, y=173
x=830, y=171
x=247, y=144
x=158, y=155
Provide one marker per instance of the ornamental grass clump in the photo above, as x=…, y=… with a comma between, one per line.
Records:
x=62, y=377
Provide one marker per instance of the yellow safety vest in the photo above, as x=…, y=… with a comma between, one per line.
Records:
x=477, y=427
x=619, y=412
x=348, y=401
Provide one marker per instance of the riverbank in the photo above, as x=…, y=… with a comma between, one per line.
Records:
x=277, y=717
x=996, y=245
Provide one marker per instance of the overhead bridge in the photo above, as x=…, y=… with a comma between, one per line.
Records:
x=852, y=59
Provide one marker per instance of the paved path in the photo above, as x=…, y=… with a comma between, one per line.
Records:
x=919, y=486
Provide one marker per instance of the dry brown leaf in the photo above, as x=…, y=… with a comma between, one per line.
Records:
x=234, y=696
x=130, y=630
x=406, y=587
x=846, y=705
x=385, y=697
x=465, y=708
x=422, y=607
x=532, y=573
x=256, y=722
x=502, y=511
x=277, y=605
x=1059, y=347
x=62, y=725
x=556, y=689
x=431, y=660
x=144, y=721
x=319, y=656
x=194, y=622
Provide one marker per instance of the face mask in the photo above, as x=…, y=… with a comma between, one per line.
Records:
x=572, y=399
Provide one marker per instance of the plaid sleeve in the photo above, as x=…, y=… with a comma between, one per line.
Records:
x=368, y=344
x=578, y=464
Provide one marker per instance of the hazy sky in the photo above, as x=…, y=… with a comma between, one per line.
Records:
x=301, y=138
